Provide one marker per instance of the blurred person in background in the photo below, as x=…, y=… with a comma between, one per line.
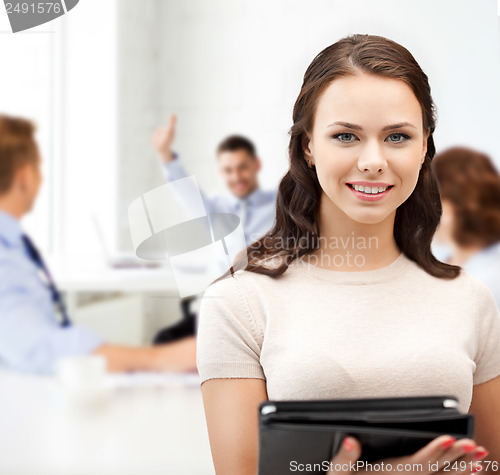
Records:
x=239, y=167
x=469, y=228
x=35, y=329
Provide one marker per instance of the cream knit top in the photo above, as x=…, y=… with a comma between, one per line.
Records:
x=315, y=333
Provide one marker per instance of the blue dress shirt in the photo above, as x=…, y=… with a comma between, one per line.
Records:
x=257, y=210
x=31, y=338
x=485, y=265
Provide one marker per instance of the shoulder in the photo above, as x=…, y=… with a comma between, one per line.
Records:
x=223, y=201
x=485, y=299
x=464, y=281
x=225, y=294
x=8, y=259
x=15, y=273
x=480, y=292
x=459, y=296
x=469, y=283
x=230, y=303
x=465, y=289
x=270, y=195
x=243, y=293
x=239, y=284
x=263, y=197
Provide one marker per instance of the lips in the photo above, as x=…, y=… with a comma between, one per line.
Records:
x=368, y=183
x=369, y=191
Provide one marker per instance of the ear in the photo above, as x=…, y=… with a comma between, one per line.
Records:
x=424, y=146
x=26, y=177
x=258, y=164
x=307, y=148
x=22, y=177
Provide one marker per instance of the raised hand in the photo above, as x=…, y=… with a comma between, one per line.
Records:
x=163, y=138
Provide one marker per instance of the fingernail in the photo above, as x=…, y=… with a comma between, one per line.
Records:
x=448, y=443
x=469, y=447
x=480, y=454
x=477, y=468
x=347, y=444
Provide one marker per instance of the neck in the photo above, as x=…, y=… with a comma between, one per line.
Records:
x=348, y=245
x=251, y=190
x=11, y=207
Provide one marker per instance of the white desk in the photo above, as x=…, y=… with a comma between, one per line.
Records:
x=76, y=276
x=92, y=274
x=144, y=430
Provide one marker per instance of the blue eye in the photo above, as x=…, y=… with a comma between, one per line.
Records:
x=345, y=137
x=398, y=138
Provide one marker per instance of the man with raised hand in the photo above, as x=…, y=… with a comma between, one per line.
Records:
x=239, y=166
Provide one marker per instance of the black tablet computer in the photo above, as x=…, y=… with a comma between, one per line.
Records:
x=295, y=433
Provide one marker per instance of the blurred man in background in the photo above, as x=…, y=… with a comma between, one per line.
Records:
x=35, y=329
x=239, y=166
x=469, y=185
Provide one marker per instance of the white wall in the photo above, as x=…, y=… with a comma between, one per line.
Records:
x=138, y=104
x=26, y=90
x=88, y=114
x=63, y=75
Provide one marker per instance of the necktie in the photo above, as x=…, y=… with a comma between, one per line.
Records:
x=37, y=259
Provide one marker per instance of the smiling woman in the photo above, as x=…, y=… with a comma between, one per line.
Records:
x=364, y=111
x=315, y=321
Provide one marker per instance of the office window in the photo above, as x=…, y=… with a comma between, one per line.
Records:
x=27, y=89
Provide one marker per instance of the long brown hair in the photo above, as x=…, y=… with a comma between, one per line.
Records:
x=299, y=191
x=469, y=180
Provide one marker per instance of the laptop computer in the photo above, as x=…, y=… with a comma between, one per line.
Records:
x=120, y=260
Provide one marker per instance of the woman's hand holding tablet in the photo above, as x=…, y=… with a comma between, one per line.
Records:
x=444, y=454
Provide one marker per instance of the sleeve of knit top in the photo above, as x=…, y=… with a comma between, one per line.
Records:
x=488, y=332
x=228, y=337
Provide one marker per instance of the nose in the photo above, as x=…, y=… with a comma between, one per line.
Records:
x=371, y=159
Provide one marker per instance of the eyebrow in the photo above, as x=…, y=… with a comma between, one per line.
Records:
x=358, y=127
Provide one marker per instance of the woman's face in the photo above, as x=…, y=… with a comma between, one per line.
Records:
x=368, y=145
